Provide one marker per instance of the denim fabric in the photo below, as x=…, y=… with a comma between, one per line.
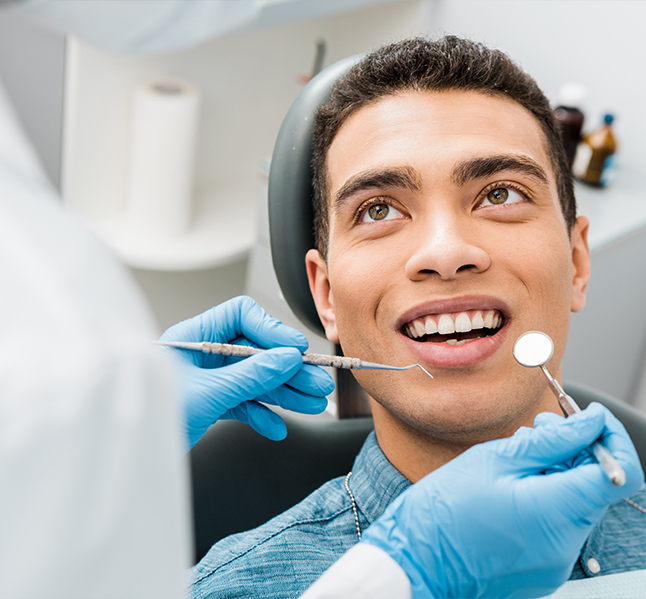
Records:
x=283, y=557
x=618, y=542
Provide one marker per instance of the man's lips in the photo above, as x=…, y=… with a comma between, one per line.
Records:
x=458, y=332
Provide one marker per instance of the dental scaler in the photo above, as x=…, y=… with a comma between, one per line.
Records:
x=244, y=351
x=534, y=349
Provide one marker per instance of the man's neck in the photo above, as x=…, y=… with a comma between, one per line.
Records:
x=412, y=452
x=415, y=453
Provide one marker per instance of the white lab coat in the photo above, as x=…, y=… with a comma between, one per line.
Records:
x=93, y=493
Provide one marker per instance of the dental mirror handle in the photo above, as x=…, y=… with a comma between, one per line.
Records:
x=606, y=460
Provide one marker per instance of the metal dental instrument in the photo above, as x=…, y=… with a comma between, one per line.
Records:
x=244, y=351
x=533, y=349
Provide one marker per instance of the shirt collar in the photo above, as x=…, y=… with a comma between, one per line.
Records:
x=375, y=482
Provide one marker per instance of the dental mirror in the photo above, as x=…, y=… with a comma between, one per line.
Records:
x=533, y=349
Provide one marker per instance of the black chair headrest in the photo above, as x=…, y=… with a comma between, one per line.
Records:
x=291, y=214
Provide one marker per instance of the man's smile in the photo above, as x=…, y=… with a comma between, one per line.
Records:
x=457, y=328
x=455, y=332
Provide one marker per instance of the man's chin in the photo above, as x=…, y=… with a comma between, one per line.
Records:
x=451, y=424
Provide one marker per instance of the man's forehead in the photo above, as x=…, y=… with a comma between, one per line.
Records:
x=433, y=124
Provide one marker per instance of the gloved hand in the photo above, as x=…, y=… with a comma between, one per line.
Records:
x=217, y=387
x=500, y=520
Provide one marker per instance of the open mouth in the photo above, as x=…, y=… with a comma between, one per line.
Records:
x=456, y=328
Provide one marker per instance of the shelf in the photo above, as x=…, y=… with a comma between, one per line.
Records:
x=224, y=230
x=616, y=211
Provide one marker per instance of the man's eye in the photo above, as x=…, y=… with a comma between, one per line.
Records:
x=378, y=212
x=502, y=195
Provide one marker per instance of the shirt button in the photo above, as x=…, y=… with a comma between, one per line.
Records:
x=593, y=566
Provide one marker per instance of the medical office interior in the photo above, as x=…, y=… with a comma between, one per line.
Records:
x=76, y=106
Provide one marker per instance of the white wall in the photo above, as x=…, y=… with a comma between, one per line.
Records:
x=599, y=43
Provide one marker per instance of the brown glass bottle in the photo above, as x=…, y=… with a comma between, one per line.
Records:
x=595, y=156
x=571, y=121
x=570, y=117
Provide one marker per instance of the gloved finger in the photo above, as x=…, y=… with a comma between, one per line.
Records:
x=191, y=330
x=235, y=318
x=589, y=484
x=242, y=316
x=312, y=380
x=260, y=418
x=253, y=376
x=618, y=442
x=547, y=418
x=553, y=442
x=295, y=401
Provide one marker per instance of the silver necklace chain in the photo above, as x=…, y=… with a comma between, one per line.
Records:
x=635, y=505
x=356, y=513
x=354, y=504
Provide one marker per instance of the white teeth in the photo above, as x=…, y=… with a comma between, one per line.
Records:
x=431, y=326
x=462, y=323
x=445, y=325
x=451, y=342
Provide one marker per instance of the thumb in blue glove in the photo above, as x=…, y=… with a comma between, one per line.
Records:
x=501, y=520
x=217, y=387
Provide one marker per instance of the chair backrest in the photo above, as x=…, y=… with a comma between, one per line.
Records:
x=241, y=479
x=630, y=417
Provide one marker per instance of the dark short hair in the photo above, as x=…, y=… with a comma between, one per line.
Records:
x=419, y=64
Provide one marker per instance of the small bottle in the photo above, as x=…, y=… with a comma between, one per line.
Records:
x=595, y=158
x=570, y=117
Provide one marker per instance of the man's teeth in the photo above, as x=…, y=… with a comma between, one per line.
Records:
x=445, y=324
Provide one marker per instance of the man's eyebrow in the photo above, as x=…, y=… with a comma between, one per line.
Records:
x=479, y=168
x=404, y=177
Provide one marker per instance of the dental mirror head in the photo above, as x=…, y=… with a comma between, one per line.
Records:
x=533, y=349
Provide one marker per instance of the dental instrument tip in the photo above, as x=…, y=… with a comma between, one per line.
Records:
x=424, y=369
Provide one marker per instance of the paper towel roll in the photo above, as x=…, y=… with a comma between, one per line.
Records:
x=163, y=132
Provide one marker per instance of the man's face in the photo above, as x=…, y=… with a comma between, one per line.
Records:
x=444, y=217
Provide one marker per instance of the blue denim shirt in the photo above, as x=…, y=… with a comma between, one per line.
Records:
x=283, y=557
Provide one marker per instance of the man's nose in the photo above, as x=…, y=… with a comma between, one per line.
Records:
x=446, y=247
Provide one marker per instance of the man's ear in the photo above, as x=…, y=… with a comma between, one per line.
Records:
x=580, y=262
x=321, y=292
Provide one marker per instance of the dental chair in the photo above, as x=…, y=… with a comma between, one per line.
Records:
x=240, y=479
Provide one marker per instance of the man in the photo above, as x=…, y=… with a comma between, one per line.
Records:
x=446, y=227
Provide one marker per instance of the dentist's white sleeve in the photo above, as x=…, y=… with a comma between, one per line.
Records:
x=93, y=491
x=364, y=572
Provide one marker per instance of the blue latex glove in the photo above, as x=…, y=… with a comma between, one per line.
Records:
x=221, y=387
x=500, y=520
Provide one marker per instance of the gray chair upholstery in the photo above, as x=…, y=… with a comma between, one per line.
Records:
x=241, y=480
x=630, y=417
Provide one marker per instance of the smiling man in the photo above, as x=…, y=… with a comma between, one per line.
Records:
x=446, y=227
x=445, y=241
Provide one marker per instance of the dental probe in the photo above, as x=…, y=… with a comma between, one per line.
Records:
x=535, y=348
x=244, y=351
